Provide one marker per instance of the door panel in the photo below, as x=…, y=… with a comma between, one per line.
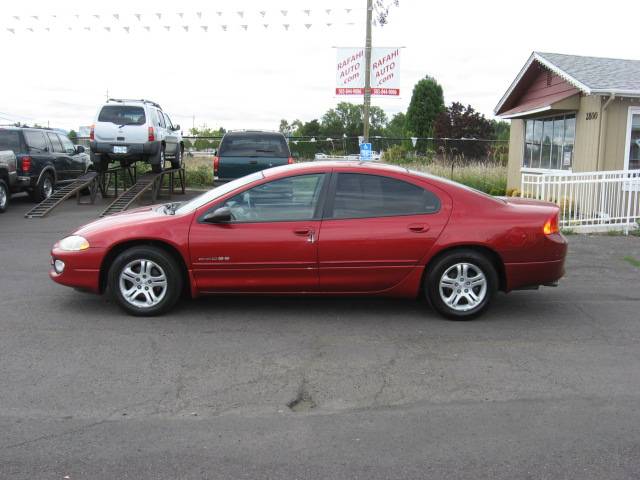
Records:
x=61, y=162
x=75, y=161
x=373, y=254
x=255, y=257
x=370, y=240
x=269, y=246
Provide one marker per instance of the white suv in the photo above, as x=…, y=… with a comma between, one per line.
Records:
x=132, y=130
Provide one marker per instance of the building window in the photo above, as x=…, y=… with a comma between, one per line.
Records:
x=634, y=141
x=549, y=142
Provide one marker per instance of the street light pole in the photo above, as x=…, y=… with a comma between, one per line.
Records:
x=367, y=72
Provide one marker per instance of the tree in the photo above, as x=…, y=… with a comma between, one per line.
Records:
x=397, y=126
x=347, y=119
x=73, y=136
x=202, y=144
x=458, y=121
x=309, y=129
x=427, y=101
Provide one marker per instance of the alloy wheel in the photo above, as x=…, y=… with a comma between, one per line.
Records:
x=143, y=283
x=463, y=286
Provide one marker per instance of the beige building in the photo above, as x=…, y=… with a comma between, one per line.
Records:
x=572, y=113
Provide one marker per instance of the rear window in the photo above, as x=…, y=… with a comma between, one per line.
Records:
x=35, y=140
x=122, y=115
x=10, y=140
x=254, y=146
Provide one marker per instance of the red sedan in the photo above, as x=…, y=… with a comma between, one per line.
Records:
x=331, y=228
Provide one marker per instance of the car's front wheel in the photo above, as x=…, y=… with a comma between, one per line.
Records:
x=4, y=196
x=461, y=284
x=145, y=281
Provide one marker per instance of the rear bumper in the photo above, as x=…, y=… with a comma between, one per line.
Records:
x=147, y=148
x=520, y=275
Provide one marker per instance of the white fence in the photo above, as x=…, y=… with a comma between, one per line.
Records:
x=589, y=201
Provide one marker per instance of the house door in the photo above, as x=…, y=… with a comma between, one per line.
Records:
x=632, y=158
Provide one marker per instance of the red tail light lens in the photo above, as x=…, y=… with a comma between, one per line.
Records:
x=551, y=225
x=216, y=164
x=26, y=164
x=290, y=160
x=92, y=133
x=152, y=134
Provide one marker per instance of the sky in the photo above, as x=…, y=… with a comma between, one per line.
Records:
x=62, y=58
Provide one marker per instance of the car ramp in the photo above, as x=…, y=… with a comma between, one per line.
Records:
x=87, y=181
x=148, y=182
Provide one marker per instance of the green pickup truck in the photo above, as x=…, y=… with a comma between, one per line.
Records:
x=243, y=152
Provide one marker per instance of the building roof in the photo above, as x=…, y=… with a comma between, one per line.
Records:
x=590, y=75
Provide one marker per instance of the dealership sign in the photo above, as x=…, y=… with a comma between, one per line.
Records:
x=385, y=71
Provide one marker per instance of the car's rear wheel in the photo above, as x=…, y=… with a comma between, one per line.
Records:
x=44, y=188
x=4, y=196
x=461, y=284
x=176, y=162
x=100, y=162
x=145, y=281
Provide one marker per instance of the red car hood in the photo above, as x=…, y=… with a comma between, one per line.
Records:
x=129, y=219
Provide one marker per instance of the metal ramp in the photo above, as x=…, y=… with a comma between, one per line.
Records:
x=88, y=180
x=152, y=182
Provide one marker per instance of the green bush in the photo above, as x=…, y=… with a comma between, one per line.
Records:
x=200, y=176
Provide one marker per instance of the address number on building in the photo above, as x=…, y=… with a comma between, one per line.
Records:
x=592, y=115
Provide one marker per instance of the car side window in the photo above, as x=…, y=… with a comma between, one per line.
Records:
x=288, y=199
x=167, y=122
x=160, y=118
x=361, y=196
x=36, y=141
x=67, y=145
x=55, y=143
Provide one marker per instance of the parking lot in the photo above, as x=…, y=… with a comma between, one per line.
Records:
x=545, y=386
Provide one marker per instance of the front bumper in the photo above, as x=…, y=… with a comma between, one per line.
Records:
x=82, y=269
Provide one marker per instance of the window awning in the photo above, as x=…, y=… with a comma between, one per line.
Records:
x=561, y=101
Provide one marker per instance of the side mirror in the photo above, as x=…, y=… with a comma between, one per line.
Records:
x=176, y=127
x=220, y=215
x=79, y=149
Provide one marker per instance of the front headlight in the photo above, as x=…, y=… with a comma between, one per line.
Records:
x=74, y=243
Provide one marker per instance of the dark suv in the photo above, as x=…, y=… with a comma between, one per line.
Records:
x=243, y=152
x=45, y=158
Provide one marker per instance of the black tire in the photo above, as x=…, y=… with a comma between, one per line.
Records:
x=467, y=294
x=176, y=162
x=161, y=259
x=5, y=196
x=157, y=161
x=44, y=188
x=100, y=162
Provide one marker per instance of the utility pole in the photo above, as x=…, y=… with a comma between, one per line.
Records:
x=367, y=72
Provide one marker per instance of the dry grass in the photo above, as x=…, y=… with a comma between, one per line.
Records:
x=489, y=178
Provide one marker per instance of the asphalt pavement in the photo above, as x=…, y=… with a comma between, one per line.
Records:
x=545, y=386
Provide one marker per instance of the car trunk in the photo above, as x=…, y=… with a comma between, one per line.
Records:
x=121, y=123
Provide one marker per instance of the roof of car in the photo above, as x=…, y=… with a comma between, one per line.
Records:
x=253, y=132
x=371, y=166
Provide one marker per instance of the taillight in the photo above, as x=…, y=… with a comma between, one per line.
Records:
x=216, y=164
x=92, y=133
x=551, y=225
x=290, y=160
x=26, y=164
x=152, y=134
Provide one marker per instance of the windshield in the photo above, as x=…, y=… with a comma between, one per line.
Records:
x=122, y=115
x=218, y=192
x=254, y=145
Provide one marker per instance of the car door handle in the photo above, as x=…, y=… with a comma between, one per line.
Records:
x=306, y=232
x=418, y=227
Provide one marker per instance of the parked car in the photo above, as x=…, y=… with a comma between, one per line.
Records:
x=243, y=152
x=8, y=177
x=128, y=131
x=45, y=159
x=320, y=228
